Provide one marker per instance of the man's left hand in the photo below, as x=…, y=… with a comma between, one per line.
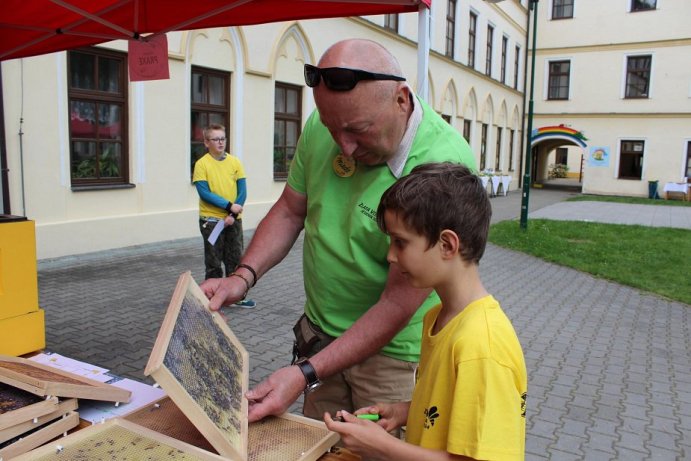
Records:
x=276, y=393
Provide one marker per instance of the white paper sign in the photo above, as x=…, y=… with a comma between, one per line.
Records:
x=216, y=232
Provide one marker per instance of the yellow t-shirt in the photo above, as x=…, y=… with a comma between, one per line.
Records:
x=469, y=398
x=222, y=176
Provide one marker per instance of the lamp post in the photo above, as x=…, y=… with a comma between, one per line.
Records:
x=529, y=132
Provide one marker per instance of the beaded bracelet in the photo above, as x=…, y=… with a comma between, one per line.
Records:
x=247, y=283
x=249, y=268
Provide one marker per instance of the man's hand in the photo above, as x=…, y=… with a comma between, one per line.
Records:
x=223, y=292
x=276, y=393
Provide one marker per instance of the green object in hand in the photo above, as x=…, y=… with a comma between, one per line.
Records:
x=369, y=417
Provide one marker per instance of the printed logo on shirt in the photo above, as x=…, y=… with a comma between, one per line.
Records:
x=430, y=416
x=524, y=397
x=367, y=211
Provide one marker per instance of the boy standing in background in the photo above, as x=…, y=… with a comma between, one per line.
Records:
x=222, y=187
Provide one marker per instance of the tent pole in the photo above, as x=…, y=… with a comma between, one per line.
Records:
x=423, y=45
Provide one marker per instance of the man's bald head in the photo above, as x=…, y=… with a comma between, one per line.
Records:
x=361, y=54
x=368, y=121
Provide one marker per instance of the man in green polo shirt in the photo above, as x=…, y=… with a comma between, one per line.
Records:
x=369, y=130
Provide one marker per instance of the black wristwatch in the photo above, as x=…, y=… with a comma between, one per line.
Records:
x=310, y=374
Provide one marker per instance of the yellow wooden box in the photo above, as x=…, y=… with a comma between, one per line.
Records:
x=23, y=334
x=18, y=281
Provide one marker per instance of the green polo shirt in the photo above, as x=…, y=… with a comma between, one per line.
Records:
x=344, y=260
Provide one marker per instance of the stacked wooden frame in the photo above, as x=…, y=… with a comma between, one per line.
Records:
x=38, y=403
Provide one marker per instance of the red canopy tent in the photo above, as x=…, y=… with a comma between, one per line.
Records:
x=32, y=27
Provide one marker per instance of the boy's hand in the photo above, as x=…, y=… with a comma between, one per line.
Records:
x=391, y=415
x=362, y=437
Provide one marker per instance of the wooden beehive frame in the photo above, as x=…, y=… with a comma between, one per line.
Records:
x=224, y=428
x=166, y=418
x=45, y=380
x=41, y=436
x=62, y=408
x=27, y=412
x=184, y=401
x=98, y=433
x=270, y=429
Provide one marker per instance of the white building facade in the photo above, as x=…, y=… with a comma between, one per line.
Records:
x=99, y=162
x=613, y=93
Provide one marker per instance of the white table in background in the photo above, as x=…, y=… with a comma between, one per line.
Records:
x=496, y=180
x=681, y=187
x=485, y=180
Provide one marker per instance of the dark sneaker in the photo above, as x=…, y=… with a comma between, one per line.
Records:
x=246, y=304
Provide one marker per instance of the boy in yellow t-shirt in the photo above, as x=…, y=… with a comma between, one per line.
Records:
x=471, y=384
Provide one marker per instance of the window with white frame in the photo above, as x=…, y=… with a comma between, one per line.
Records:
x=562, y=9
x=559, y=79
x=483, y=147
x=643, y=5
x=516, y=65
x=490, y=44
x=450, y=27
x=210, y=104
x=631, y=159
x=287, y=123
x=391, y=22
x=688, y=161
x=504, y=48
x=97, y=92
x=497, y=159
x=512, y=134
x=472, y=34
x=638, y=76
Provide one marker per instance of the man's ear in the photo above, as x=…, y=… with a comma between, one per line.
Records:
x=450, y=243
x=403, y=96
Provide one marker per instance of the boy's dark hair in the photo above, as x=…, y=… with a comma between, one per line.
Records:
x=438, y=196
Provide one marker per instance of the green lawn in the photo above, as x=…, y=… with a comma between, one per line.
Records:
x=648, y=258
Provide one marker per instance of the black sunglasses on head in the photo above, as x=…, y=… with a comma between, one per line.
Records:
x=342, y=78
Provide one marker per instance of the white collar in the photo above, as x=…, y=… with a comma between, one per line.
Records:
x=399, y=159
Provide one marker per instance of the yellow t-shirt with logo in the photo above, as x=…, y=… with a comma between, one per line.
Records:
x=469, y=398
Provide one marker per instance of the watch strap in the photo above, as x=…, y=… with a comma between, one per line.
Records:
x=309, y=373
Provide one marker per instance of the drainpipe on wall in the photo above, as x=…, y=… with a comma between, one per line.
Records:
x=4, y=171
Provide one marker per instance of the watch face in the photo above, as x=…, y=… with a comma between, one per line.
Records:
x=313, y=386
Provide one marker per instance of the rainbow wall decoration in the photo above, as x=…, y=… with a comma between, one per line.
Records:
x=558, y=132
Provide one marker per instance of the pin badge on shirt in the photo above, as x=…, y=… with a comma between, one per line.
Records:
x=344, y=166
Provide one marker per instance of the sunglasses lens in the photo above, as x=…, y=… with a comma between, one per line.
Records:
x=311, y=76
x=337, y=79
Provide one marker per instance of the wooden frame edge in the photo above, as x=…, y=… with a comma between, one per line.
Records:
x=88, y=389
x=27, y=413
x=80, y=435
x=40, y=437
x=62, y=408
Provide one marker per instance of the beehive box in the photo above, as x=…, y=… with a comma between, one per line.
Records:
x=204, y=368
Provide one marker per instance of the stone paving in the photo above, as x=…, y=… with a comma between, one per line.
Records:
x=609, y=367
